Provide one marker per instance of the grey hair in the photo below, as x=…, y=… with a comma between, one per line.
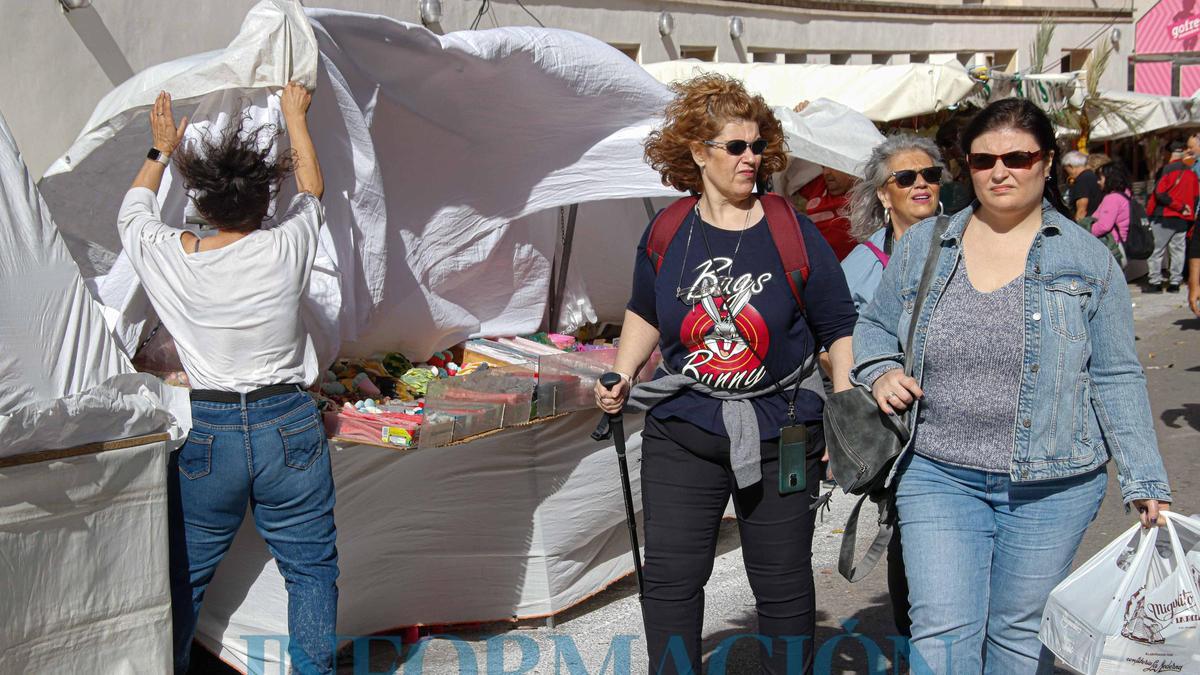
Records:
x=1074, y=158
x=866, y=211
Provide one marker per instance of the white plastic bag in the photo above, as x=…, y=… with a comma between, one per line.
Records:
x=1134, y=607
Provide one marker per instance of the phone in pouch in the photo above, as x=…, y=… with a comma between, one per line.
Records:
x=793, y=458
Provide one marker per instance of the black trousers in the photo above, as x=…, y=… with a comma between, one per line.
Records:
x=686, y=483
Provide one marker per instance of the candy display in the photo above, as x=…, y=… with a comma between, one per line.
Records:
x=475, y=387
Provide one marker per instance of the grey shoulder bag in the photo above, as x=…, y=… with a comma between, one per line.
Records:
x=864, y=443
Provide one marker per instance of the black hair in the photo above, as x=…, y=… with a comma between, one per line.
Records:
x=1023, y=115
x=230, y=177
x=1116, y=178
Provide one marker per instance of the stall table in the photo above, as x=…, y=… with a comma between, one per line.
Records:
x=520, y=523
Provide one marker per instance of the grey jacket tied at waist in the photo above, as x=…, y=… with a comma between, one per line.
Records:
x=741, y=423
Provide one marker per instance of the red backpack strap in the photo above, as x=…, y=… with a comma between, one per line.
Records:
x=785, y=232
x=664, y=227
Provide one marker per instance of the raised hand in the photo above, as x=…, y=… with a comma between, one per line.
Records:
x=167, y=136
x=294, y=100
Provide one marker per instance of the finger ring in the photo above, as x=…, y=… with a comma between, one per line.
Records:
x=892, y=395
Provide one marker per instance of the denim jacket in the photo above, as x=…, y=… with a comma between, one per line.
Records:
x=1083, y=392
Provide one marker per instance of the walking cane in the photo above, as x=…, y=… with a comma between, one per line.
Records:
x=612, y=426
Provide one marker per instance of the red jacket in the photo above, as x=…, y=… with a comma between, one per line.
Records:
x=1174, y=194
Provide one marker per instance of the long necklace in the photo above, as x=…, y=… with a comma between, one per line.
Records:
x=737, y=247
x=685, y=294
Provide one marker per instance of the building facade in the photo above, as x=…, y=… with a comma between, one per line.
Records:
x=59, y=63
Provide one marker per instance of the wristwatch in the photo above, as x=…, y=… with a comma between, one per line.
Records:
x=159, y=156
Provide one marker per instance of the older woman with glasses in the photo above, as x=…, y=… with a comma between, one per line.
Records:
x=901, y=186
x=737, y=347
x=1025, y=381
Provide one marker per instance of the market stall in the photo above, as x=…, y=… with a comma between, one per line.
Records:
x=82, y=463
x=417, y=259
x=882, y=93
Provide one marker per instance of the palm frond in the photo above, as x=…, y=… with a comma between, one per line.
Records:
x=1041, y=45
x=1094, y=67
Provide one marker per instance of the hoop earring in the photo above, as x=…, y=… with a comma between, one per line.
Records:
x=941, y=208
x=887, y=217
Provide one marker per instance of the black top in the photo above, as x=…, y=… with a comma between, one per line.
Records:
x=772, y=337
x=1087, y=186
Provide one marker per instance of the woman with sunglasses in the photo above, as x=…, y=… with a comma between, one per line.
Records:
x=737, y=351
x=1025, y=382
x=901, y=186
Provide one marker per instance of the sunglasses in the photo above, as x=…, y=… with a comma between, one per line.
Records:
x=982, y=161
x=736, y=148
x=908, y=177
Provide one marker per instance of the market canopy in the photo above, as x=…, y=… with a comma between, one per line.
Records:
x=882, y=93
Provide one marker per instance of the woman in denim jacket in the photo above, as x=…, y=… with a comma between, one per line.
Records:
x=1025, y=381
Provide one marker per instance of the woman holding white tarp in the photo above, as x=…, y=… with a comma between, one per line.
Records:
x=231, y=301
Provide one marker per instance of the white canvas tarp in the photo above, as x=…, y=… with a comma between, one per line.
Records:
x=83, y=540
x=83, y=547
x=63, y=380
x=882, y=93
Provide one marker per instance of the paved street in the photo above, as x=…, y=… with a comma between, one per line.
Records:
x=1169, y=346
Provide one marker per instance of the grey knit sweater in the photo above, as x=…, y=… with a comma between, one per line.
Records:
x=972, y=375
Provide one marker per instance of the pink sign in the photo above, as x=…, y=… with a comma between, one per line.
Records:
x=1170, y=27
x=1182, y=29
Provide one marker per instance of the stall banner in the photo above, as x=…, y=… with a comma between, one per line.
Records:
x=1052, y=93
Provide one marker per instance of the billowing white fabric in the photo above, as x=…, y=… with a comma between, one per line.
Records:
x=882, y=93
x=523, y=523
x=84, y=549
x=63, y=380
x=825, y=133
x=431, y=145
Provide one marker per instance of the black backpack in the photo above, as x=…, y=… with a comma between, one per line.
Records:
x=1140, y=242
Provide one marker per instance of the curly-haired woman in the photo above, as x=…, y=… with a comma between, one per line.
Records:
x=232, y=302
x=736, y=346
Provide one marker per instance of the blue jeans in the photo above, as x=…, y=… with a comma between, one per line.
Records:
x=270, y=454
x=983, y=554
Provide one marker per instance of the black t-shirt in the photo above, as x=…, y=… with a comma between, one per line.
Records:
x=1086, y=186
x=773, y=338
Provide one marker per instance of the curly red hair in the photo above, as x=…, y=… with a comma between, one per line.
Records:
x=702, y=107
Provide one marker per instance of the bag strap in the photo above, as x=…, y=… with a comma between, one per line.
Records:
x=883, y=257
x=781, y=220
x=846, y=566
x=664, y=227
x=931, y=258
x=785, y=232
